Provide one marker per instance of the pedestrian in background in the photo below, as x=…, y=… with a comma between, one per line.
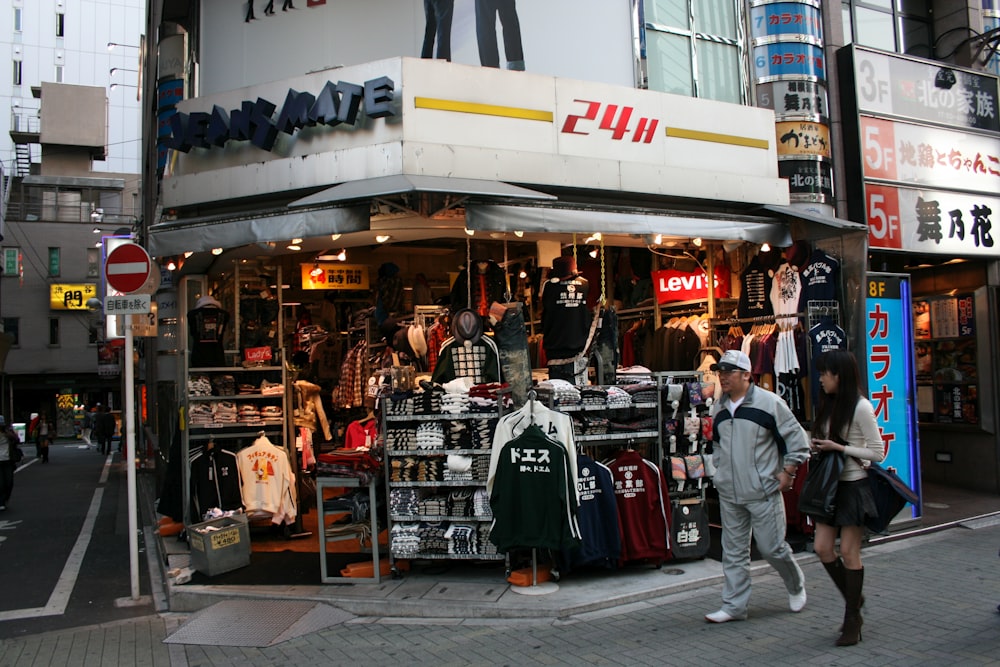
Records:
x=44, y=437
x=9, y=456
x=88, y=425
x=845, y=422
x=104, y=429
x=757, y=448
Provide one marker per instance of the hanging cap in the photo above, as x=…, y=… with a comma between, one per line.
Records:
x=733, y=360
x=467, y=326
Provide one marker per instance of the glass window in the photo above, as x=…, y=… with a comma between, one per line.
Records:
x=17, y=72
x=60, y=25
x=17, y=19
x=12, y=327
x=59, y=73
x=667, y=12
x=669, y=63
x=53, y=331
x=11, y=261
x=919, y=8
x=93, y=262
x=715, y=18
x=875, y=29
x=53, y=261
x=848, y=24
x=718, y=72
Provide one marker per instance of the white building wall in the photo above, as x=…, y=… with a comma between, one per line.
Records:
x=86, y=60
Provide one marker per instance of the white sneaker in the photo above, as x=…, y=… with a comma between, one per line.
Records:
x=797, y=601
x=722, y=617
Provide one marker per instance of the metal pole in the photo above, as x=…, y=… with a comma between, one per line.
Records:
x=133, y=527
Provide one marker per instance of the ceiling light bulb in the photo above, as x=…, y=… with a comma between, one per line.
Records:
x=334, y=237
x=382, y=238
x=188, y=254
x=522, y=275
x=216, y=251
x=342, y=256
x=593, y=253
x=171, y=266
x=518, y=234
x=97, y=230
x=658, y=239
x=294, y=246
x=765, y=247
x=697, y=242
x=470, y=232
x=316, y=270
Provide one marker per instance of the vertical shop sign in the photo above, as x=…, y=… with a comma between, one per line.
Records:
x=891, y=380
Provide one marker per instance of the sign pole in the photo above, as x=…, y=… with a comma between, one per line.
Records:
x=133, y=527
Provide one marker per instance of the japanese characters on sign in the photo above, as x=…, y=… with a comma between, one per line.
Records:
x=803, y=138
x=947, y=365
x=788, y=59
x=71, y=297
x=131, y=304
x=889, y=358
x=794, y=99
x=808, y=179
x=786, y=18
x=931, y=221
x=927, y=156
x=925, y=91
x=335, y=276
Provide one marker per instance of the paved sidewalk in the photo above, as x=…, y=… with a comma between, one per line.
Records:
x=931, y=600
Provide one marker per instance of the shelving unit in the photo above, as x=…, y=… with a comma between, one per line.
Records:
x=396, y=519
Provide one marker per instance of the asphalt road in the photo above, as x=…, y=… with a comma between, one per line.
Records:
x=64, y=544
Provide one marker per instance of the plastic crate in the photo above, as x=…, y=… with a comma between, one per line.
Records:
x=225, y=547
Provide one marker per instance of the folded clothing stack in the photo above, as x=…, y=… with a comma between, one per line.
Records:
x=404, y=540
x=400, y=438
x=618, y=398
x=249, y=414
x=224, y=385
x=430, y=435
x=463, y=539
x=404, y=501
x=271, y=414
x=563, y=392
x=594, y=396
x=199, y=385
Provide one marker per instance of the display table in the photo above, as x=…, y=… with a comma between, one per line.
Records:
x=324, y=538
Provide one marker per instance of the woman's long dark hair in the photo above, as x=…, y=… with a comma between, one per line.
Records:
x=836, y=411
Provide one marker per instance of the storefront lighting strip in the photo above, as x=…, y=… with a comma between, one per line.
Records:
x=482, y=109
x=714, y=137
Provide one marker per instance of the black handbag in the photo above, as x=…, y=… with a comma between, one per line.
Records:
x=890, y=493
x=818, y=497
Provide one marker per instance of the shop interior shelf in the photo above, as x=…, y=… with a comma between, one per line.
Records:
x=438, y=517
x=457, y=482
x=441, y=416
x=437, y=452
x=423, y=556
x=631, y=435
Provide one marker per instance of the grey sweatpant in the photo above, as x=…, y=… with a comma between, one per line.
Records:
x=765, y=519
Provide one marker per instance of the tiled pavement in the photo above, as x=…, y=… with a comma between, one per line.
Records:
x=931, y=600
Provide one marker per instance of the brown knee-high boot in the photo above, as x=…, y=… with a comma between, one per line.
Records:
x=835, y=569
x=854, y=582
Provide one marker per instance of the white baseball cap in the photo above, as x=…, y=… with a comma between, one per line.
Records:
x=733, y=360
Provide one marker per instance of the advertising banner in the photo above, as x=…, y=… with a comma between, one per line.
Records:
x=786, y=18
x=788, y=59
x=334, y=276
x=891, y=379
x=71, y=297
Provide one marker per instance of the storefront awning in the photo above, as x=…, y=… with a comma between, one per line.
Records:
x=500, y=218
x=384, y=186
x=809, y=216
x=199, y=234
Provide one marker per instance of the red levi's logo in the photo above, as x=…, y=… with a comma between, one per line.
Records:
x=674, y=285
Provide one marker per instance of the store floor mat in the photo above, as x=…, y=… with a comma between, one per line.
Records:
x=256, y=623
x=282, y=568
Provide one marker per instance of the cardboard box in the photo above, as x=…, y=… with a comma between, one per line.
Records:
x=223, y=547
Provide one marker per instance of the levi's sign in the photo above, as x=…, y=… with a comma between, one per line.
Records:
x=674, y=285
x=337, y=103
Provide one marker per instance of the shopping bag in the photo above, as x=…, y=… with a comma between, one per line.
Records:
x=818, y=496
x=891, y=494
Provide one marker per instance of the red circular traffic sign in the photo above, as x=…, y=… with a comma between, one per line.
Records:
x=127, y=268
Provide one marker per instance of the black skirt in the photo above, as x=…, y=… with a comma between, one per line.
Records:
x=854, y=504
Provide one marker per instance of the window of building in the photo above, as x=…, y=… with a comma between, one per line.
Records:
x=53, y=261
x=60, y=24
x=17, y=72
x=93, y=262
x=11, y=261
x=903, y=26
x=12, y=327
x=94, y=333
x=694, y=49
x=17, y=19
x=53, y=331
x=59, y=73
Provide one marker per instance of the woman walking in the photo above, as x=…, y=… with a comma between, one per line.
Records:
x=845, y=422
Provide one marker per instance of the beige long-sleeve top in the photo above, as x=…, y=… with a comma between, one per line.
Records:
x=864, y=442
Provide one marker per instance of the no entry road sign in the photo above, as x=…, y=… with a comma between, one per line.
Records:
x=127, y=268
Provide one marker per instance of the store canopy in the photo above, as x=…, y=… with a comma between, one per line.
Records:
x=810, y=216
x=501, y=218
x=199, y=234
x=384, y=186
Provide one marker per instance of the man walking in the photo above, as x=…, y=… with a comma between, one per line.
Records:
x=104, y=429
x=757, y=448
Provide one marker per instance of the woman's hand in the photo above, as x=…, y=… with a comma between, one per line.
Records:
x=818, y=445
